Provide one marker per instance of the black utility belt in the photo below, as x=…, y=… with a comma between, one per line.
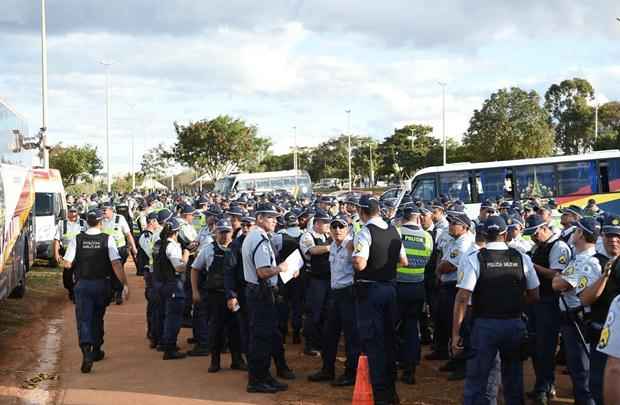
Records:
x=448, y=284
x=510, y=317
x=320, y=276
x=216, y=290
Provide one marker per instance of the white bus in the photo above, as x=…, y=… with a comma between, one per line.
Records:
x=567, y=179
x=50, y=209
x=295, y=182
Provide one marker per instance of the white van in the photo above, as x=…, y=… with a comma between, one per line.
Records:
x=50, y=207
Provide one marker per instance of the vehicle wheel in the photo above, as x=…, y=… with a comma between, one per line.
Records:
x=20, y=290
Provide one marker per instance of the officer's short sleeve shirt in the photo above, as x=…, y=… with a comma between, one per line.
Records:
x=122, y=223
x=174, y=253
x=204, y=259
x=72, y=248
x=560, y=255
x=306, y=243
x=257, y=252
x=363, y=239
x=469, y=270
x=609, y=342
x=276, y=242
x=454, y=251
x=582, y=271
x=146, y=243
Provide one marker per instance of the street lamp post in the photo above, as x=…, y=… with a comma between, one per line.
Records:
x=372, y=171
x=443, y=117
x=411, y=130
x=43, y=140
x=349, y=149
x=107, y=123
x=595, y=121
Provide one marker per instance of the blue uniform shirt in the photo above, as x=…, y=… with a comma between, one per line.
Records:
x=257, y=252
x=341, y=264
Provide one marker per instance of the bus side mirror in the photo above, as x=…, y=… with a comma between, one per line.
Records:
x=62, y=214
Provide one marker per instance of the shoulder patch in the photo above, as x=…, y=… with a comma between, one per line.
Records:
x=583, y=282
x=604, y=341
x=461, y=275
x=563, y=259
x=569, y=271
x=454, y=253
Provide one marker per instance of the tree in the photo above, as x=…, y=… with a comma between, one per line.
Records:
x=75, y=162
x=608, y=126
x=570, y=115
x=407, y=150
x=218, y=146
x=510, y=125
x=157, y=162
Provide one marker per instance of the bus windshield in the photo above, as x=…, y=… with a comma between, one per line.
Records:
x=44, y=204
x=224, y=185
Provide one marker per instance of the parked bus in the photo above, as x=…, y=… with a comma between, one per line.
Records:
x=16, y=204
x=566, y=179
x=50, y=209
x=295, y=182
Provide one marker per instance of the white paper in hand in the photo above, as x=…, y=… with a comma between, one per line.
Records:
x=294, y=262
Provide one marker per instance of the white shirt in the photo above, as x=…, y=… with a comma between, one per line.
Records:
x=610, y=335
x=582, y=271
x=112, y=249
x=122, y=223
x=453, y=252
x=469, y=271
x=174, y=253
x=522, y=245
x=307, y=242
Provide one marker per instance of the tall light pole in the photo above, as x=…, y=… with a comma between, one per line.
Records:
x=443, y=117
x=411, y=130
x=107, y=123
x=43, y=140
x=349, y=149
x=372, y=171
x=295, y=166
x=595, y=121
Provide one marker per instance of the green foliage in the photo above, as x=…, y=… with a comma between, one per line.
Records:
x=407, y=150
x=510, y=125
x=81, y=188
x=218, y=146
x=570, y=115
x=75, y=162
x=157, y=162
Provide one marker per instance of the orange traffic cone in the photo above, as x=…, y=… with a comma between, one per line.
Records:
x=362, y=393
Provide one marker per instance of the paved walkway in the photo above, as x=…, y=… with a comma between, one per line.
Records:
x=134, y=374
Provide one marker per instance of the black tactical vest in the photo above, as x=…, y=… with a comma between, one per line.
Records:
x=384, y=255
x=499, y=291
x=143, y=258
x=540, y=256
x=163, y=270
x=91, y=257
x=215, y=275
x=319, y=264
x=289, y=245
x=600, y=308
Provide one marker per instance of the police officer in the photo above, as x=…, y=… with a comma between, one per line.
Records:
x=93, y=256
x=452, y=252
x=378, y=250
x=550, y=256
x=116, y=226
x=315, y=245
x=341, y=309
x=188, y=240
x=210, y=263
x=170, y=264
x=583, y=270
x=351, y=207
x=495, y=279
x=261, y=277
x=66, y=231
x=146, y=240
x=568, y=220
x=234, y=215
x=609, y=344
x=410, y=289
x=514, y=236
x=600, y=296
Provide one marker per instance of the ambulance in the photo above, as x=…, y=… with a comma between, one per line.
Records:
x=50, y=208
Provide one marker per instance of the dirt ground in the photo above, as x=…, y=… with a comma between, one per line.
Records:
x=40, y=362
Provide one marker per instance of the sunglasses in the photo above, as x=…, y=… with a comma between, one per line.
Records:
x=338, y=226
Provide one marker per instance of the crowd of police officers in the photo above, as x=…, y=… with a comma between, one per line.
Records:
x=485, y=294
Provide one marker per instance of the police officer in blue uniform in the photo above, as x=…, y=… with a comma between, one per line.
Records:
x=146, y=240
x=170, y=264
x=261, y=277
x=341, y=315
x=377, y=252
x=94, y=257
x=498, y=280
x=410, y=289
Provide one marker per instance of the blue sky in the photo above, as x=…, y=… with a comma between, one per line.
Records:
x=284, y=63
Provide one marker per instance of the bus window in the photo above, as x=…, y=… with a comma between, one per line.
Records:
x=455, y=186
x=577, y=178
x=535, y=181
x=244, y=185
x=424, y=189
x=613, y=174
x=44, y=204
x=493, y=183
x=277, y=183
x=262, y=184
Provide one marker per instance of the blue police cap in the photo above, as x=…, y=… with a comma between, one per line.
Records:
x=174, y=224
x=223, y=225
x=152, y=216
x=458, y=217
x=187, y=209
x=589, y=225
x=268, y=209
x=163, y=215
x=290, y=219
x=495, y=224
x=321, y=215
x=573, y=209
x=368, y=201
x=514, y=220
x=340, y=219
x=532, y=224
x=235, y=211
x=95, y=215
x=410, y=210
x=611, y=226
x=214, y=210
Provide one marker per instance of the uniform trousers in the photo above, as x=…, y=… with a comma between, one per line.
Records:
x=488, y=338
x=577, y=362
x=174, y=295
x=317, y=291
x=265, y=339
x=410, y=306
x=91, y=300
x=445, y=311
x=544, y=325
x=377, y=312
x=341, y=317
x=200, y=319
x=221, y=321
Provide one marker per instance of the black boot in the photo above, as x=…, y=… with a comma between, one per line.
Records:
x=198, y=351
x=215, y=362
x=238, y=363
x=98, y=354
x=408, y=376
x=87, y=358
x=296, y=337
x=173, y=353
